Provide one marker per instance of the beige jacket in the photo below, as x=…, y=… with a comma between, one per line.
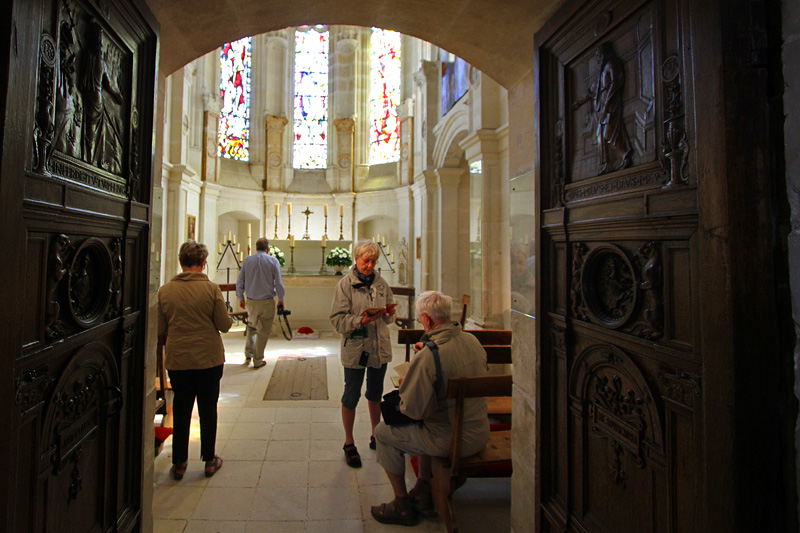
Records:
x=350, y=300
x=191, y=313
x=461, y=355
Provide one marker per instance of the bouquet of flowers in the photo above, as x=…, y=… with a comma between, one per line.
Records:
x=276, y=252
x=339, y=257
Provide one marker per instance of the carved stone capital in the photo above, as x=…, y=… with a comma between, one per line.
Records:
x=212, y=103
x=276, y=123
x=427, y=72
x=344, y=125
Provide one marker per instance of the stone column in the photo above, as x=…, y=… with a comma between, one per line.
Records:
x=484, y=145
x=273, y=170
x=210, y=154
x=427, y=96
x=180, y=100
x=207, y=225
x=345, y=128
x=405, y=234
x=405, y=113
x=446, y=211
x=421, y=247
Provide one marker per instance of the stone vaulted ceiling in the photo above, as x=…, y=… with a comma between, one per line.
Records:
x=496, y=36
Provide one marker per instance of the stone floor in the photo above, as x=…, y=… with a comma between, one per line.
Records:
x=284, y=467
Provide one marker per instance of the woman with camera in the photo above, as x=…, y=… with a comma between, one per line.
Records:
x=191, y=315
x=362, y=307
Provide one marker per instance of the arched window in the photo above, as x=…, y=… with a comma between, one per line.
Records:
x=234, y=89
x=311, y=97
x=384, y=136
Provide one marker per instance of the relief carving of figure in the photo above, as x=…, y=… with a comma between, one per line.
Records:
x=68, y=107
x=607, y=109
x=102, y=135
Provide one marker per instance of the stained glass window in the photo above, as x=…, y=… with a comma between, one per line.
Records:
x=311, y=97
x=234, y=89
x=455, y=80
x=384, y=136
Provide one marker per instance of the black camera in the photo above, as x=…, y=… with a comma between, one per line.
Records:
x=283, y=312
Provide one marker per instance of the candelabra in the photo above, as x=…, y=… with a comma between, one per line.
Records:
x=229, y=245
x=385, y=252
x=323, y=269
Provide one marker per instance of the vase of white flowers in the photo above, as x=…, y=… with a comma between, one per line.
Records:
x=338, y=258
x=276, y=252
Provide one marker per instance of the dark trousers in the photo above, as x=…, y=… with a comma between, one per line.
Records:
x=186, y=386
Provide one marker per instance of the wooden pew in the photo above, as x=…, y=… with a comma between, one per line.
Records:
x=451, y=472
x=496, y=342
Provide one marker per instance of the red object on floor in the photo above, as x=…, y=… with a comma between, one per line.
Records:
x=163, y=433
x=489, y=471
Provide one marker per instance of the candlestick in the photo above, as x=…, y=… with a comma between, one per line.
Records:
x=276, y=225
x=322, y=268
x=341, y=222
x=289, y=229
x=291, y=255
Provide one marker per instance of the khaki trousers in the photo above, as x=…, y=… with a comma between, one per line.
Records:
x=260, y=316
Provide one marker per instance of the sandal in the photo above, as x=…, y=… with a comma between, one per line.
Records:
x=178, y=470
x=213, y=465
x=421, y=497
x=351, y=456
x=388, y=513
x=372, y=444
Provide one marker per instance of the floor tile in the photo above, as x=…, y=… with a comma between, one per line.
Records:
x=251, y=431
x=245, y=450
x=291, y=431
x=331, y=474
x=287, y=450
x=224, y=503
x=284, y=474
x=216, y=526
x=279, y=504
x=238, y=474
x=333, y=503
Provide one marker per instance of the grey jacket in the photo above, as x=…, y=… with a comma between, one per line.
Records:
x=350, y=300
x=461, y=355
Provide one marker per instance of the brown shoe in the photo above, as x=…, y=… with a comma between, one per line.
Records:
x=351, y=456
x=178, y=470
x=395, y=512
x=213, y=465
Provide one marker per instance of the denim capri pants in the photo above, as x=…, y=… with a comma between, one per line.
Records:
x=354, y=378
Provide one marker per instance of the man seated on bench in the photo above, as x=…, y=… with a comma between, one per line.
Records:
x=423, y=397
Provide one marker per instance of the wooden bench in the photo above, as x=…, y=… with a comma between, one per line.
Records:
x=496, y=342
x=452, y=471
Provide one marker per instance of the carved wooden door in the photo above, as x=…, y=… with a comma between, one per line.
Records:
x=665, y=338
x=621, y=372
x=75, y=189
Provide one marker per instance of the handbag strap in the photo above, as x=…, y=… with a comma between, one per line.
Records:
x=437, y=384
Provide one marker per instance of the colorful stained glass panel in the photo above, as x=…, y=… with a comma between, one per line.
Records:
x=311, y=98
x=384, y=135
x=234, y=89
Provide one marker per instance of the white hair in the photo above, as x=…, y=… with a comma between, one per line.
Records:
x=368, y=248
x=436, y=305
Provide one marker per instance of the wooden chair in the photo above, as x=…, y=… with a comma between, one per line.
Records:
x=452, y=471
x=496, y=342
x=466, y=300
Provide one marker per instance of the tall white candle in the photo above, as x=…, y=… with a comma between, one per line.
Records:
x=291, y=241
x=277, y=209
x=289, y=208
x=324, y=241
x=325, y=208
x=341, y=210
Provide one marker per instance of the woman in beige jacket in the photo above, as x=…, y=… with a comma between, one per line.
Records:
x=362, y=307
x=191, y=313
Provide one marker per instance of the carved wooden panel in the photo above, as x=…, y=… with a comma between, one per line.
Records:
x=81, y=206
x=620, y=421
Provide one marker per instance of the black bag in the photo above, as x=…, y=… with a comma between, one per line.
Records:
x=390, y=409
x=390, y=406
